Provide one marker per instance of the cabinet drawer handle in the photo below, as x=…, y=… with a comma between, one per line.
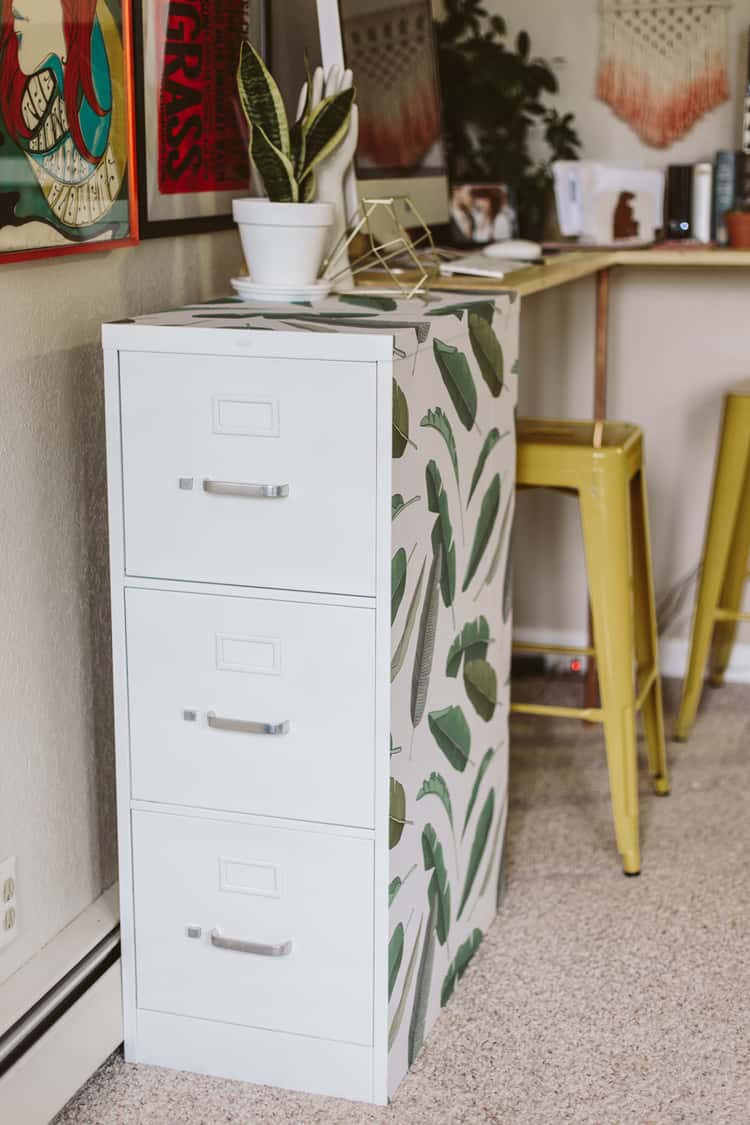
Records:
x=236, y=488
x=283, y=949
x=247, y=726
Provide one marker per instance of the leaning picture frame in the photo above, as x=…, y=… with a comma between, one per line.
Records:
x=192, y=137
x=67, y=179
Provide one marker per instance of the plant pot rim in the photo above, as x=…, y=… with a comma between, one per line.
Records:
x=265, y=212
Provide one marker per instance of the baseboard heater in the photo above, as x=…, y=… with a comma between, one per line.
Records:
x=30, y=1028
x=50, y=1051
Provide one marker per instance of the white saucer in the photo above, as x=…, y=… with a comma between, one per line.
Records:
x=252, y=291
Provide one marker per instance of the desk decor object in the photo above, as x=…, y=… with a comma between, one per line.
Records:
x=663, y=63
x=66, y=173
x=192, y=142
x=310, y=518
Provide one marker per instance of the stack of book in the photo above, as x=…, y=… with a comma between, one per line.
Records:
x=699, y=195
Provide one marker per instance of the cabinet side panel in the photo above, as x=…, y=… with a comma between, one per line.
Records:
x=454, y=456
x=119, y=671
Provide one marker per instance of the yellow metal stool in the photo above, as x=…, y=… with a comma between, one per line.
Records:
x=603, y=463
x=725, y=558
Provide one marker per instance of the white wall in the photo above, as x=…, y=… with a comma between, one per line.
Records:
x=56, y=755
x=678, y=340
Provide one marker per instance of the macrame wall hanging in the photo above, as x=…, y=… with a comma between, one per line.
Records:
x=662, y=64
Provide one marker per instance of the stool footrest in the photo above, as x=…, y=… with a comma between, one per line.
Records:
x=563, y=650
x=588, y=714
x=731, y=615
x=645, y=681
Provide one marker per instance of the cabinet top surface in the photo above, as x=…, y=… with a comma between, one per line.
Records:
x=404, y=325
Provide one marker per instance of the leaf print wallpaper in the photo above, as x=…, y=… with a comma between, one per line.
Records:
x=452, y=513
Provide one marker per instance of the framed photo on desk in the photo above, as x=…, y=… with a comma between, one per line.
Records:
x=192, y=136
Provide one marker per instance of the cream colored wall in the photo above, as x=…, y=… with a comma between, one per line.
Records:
x=678, y=340
x=56, y=754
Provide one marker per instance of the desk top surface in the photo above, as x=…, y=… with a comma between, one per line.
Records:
x=561, y=269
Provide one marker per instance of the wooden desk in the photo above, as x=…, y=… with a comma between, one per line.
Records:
x=574, y=265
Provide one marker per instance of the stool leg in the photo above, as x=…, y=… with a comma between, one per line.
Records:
x=725, y=502
x=646, y=642
x=605, y=516
x=734, y=584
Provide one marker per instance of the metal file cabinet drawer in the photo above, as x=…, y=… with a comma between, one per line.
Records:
x=259, y=926
x=252, y=705
x=254, y=472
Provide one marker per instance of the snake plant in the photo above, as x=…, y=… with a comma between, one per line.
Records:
x=287, y=157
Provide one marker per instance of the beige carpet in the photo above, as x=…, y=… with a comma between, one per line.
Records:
x=594, y=998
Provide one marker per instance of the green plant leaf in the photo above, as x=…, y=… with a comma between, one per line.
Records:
x=326, y=127
x=397, y=660
x=400, y=420
x=395, y=955
x=501, y=540
x=483, y=767
x=398, y=1015
x=397, y=883
x=420, y=679
x=438, y=421
x=422, y=989
x=399, y=505
x=442, y=532
x=508, y=581
x=307, y=187
x=397, y=812
x=471, y=642
x=275, y=167
x=485, y=524
x=459, y=965
x=261, y=100
x=434, y=785
x=458, y=380
x=491, y=861
x=438, y=888
x=477, y=848
x=480, y=682
x=493, y=437
x=488, y=352
x=452, y=734
x=398, y=581
x=382, y=304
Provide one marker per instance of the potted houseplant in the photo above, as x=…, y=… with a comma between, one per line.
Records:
x=284, y=236
x=494, y=101
x=738, y=225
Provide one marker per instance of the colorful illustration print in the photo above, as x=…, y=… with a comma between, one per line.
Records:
x=452, y=510
x=63, y=123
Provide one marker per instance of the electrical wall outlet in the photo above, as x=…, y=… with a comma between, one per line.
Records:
x=8, y=901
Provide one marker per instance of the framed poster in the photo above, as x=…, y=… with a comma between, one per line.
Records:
x=66, y=169
x=192, y=135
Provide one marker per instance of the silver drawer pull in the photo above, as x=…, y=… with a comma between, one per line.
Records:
x=283, y=949
x=246, y=726
x=258, y=491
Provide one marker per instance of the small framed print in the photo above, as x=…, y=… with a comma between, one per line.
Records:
x=67, y=179
x=482, y=213
x=192, y=136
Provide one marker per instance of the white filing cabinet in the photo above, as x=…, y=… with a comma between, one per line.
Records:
x=310, y=517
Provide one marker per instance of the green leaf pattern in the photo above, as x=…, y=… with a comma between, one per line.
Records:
x=449, y=629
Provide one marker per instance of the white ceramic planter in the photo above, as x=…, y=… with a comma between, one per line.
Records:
x=283, y=243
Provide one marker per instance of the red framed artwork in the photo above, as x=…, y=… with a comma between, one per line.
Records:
x=67, y=174
x=192, y=137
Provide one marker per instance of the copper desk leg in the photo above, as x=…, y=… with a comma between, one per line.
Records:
x=591, y=694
